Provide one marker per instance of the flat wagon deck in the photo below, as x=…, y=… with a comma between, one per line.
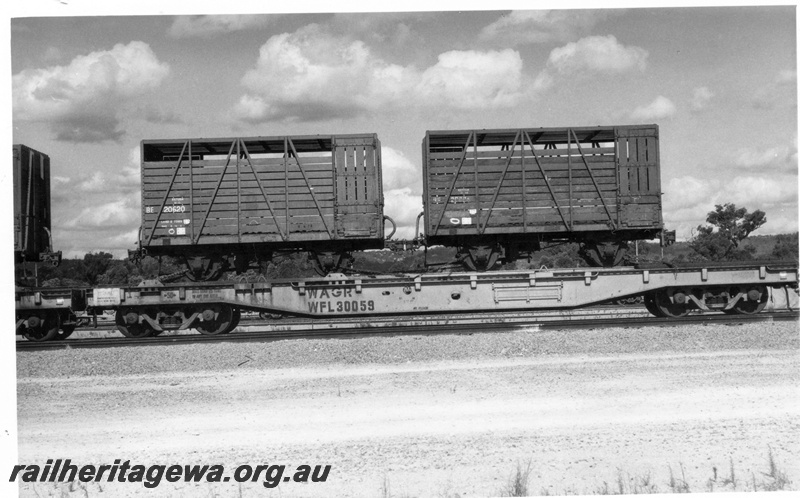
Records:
x=214, y=308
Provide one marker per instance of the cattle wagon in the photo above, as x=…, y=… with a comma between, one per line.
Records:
x=222, y=203
x=498, y=194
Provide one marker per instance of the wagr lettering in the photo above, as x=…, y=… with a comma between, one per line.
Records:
x=329, y=293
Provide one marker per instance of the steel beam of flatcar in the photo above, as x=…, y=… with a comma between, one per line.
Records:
x=339, y=295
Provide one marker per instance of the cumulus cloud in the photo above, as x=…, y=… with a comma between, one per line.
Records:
x=161, y=116
x=52, y=54
x=114, y=222
x=402, y=191
x=211, y=25
x=540, y=26
x=311, y=75
x=760, y=190
x=686, y=192
x=660, y=108
x=700, y=98
x=770, y=159
x=398, y=170
x=118, y=213
x=314, y=75
x=403, y=206
x=102, y=205
x=781, y=91
x=391, y=28
x=105, y=184
x=81, y=101
x=786, y=77
x=597, y=53
x=473, y=80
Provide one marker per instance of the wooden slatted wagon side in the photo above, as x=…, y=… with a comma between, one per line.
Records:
x=222, y=203
x=497, y=194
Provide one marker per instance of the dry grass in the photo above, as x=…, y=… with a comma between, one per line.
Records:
x=774, y=478
x=517, y=484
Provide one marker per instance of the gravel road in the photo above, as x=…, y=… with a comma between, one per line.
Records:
x=441, y=415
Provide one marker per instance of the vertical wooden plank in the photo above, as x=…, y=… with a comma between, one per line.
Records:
x=340, y=173
x=350, y=175
x=622, y=164
x=633, y=153
x=645, y=161
x=338, y=183
x=359, y=178
x=369, y=175
x=656, y=166
x=652, y=168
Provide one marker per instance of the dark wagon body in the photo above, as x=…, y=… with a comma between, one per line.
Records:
x=500, y=192
x=229, y=200
x=31, y=172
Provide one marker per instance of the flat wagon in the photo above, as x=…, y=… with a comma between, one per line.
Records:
x=216, y=307
x=496, y=194
x=222, y=203
x=31, y=176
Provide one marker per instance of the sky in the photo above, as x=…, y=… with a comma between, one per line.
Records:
x=721, y=83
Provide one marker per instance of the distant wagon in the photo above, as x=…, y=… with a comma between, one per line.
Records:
x=32, y=215
x=498, y=194
x=222, y=203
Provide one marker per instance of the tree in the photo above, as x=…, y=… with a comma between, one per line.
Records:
x=786, y=247
x=96, y=265
x=727, y=227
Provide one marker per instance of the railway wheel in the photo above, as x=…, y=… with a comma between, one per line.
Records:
x=756, y=302
x=650, y=304
x=237, y=315
x=41, y=327
x=129, y=324
x=667, y=308
x=65, y=332
x=217, y=320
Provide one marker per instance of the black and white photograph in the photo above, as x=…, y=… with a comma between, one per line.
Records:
x=443, y=249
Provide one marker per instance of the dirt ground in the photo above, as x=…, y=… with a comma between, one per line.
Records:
x=583, y=423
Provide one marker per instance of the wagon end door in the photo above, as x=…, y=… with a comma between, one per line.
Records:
x=639, y=177
x=359, y=197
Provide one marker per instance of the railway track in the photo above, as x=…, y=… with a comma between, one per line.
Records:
x=329, y=329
